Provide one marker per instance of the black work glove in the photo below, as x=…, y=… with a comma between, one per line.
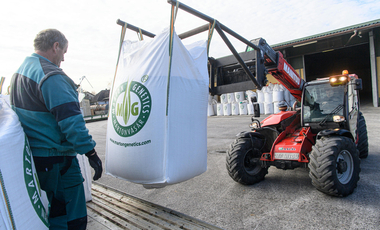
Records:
x=95, y=163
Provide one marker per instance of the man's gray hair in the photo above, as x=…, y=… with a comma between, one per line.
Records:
x=46, y=39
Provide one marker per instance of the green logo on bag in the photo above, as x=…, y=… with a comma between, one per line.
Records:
x=131, y=108
x=32, y=184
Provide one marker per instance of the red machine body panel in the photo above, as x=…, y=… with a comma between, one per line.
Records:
x=275, y=119
x=293, y=143
x=294, y=146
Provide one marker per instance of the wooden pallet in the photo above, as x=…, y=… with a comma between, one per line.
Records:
x=112, y=209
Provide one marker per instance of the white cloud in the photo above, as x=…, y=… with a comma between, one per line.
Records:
x=93, y=34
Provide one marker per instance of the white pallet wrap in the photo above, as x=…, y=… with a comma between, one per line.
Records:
x=156, y=133
x=23, y=205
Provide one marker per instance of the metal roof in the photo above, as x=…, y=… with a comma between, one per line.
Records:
x=344, y=30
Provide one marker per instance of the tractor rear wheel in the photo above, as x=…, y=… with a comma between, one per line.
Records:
x=363, y=137
x=243, y=161
x=334, y=165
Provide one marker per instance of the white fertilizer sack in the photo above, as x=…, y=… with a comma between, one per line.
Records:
x=86, y=173
x=156, y=133
x=220, y=109
x=243, y=108
x=227, y=109
x=210, y=110
x=23, y=204
x=235, y=108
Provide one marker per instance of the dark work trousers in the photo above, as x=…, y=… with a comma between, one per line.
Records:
x=61, y=179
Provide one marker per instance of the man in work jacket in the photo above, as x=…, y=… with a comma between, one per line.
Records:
x=46, y=102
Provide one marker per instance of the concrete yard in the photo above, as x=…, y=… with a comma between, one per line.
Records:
x=286, y=199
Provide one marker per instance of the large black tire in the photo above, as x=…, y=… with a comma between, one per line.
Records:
x=334, y=165
x=363, y=137
x=243, y=161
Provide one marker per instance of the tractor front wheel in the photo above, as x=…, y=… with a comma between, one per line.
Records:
x=334, y=165
x=243, y=161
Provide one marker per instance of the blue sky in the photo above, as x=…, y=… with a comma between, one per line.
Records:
x=93, y=34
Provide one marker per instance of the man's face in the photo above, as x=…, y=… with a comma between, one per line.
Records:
x=60, y=55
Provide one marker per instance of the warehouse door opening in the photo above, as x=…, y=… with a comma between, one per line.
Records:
x=355, y=59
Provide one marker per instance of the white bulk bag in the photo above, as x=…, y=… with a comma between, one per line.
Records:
x=220, y=109
x=250, y=109
x=210, y=110
x=261, y=105
x=214, y=106
x=260, y=96
x=86, y=173
x=268, y=108
x=223, y=99
x=231, y=97
x=227, y=109
x=156, y=133
x=276, y=109
x=250, y=96
x=239, y=96
x=235, y=108
x=268, y=95
x=23, y=205
x=278, y=93
x=210, y=98
x=243, y=108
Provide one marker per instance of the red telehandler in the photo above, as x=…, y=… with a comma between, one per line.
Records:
x=327, y=133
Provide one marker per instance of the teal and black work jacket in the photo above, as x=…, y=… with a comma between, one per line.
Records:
x=46, y=102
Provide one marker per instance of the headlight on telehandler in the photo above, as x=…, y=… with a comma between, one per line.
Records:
x=339, y=79
x=338, y=118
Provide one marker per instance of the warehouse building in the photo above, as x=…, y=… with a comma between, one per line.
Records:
x=354, y=48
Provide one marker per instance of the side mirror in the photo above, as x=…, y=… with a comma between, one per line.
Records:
x=358, y=84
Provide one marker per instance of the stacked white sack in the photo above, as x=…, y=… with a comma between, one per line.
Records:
x=243, y=108
x=260, y=100
x=23, y=205
x=220, y=109
x=235, y=108
x=231, y=97
x=227, y=109
x=250, y=95
x=145, y=139
x=214, y=105
x=224, y=99
x=268, y=100
x=250, y=109
x=239, y=96
x=210, y=110
x=278, y=96
x=86, y=173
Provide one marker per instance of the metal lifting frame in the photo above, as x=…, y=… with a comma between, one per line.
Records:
x=264, y=53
